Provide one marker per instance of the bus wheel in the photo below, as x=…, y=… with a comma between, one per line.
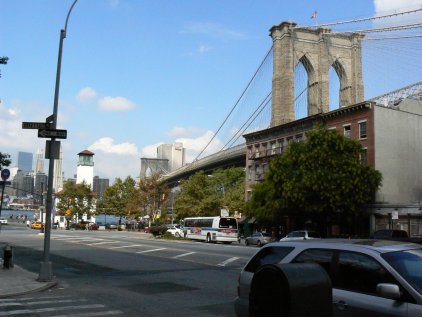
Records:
x=208, y=238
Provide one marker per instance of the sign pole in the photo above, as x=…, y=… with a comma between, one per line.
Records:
x=46, y=272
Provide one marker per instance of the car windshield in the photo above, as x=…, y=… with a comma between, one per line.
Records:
x=408, y=264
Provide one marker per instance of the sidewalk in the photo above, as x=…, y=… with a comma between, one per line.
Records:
x=18, y=281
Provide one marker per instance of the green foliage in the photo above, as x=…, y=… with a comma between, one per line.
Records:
x=205, y=195
x=320, y=176
x=150, y=196
x=4, y=160
x=117, y=197
x=78, y=198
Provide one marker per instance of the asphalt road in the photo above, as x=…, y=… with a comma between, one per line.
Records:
x=128, y=274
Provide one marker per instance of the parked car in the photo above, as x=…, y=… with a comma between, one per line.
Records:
x=3, y=221
x=301, y=235
x=259, y=239
x=175, y=230
x=396, y=235
x=369, y=277
x=37, y=225
x=93, y=226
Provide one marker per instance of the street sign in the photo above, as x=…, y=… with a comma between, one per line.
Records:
x=5, y=174
x=36, y=125
x=58, y=134
x=5, y=183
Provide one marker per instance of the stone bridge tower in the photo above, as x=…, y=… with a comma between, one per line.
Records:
x=318, y=50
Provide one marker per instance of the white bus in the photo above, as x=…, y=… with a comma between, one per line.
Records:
x=211, y=229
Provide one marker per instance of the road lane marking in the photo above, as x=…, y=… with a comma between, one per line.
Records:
x=104, y=242
x=126, y=246
x=228, y=261
x=104, y=313
x=153, y=250
x=48, y=309
x=182, y=255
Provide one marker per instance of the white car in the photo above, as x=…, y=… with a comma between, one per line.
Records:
x=175, y=230
x=369, y=277
x=3, y=221
x=301, y=235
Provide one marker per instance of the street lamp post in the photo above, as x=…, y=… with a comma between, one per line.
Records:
x=46, y=272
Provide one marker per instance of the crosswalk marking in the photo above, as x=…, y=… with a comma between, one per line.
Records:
x=153, y=250
x=182, y=255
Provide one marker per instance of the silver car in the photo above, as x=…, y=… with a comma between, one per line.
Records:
x=259, y=239
x=370, y=278
x=301, y=235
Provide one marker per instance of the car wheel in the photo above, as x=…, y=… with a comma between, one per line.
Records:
x=259, y=243
x=208, y=238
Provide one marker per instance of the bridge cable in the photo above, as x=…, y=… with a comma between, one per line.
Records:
x=237, y=102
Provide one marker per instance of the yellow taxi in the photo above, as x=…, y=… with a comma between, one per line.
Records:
x=37, y=225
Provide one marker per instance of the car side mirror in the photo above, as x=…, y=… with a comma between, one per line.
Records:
x=391, y=291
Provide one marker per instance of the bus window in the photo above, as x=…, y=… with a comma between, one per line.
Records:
x=228, y=223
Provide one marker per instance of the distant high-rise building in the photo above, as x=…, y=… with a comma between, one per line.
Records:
x=28, y=185
x=58, y=173
x=100, y=185
x=25, y=162
x=39, y=163
x=174, y=153
x=85, y=170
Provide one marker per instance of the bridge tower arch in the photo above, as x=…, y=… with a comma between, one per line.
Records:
x=318, y=50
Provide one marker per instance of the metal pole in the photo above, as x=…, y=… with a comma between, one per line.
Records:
x=46, y=272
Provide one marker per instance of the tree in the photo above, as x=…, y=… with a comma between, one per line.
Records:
x=4, y=160
x=117, y=197
x=150, y=196
x=206, y=195
x=75, y=200
x=322, y=177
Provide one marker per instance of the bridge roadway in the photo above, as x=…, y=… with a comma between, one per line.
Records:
x=232, y=157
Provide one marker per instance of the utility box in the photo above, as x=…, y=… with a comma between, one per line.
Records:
x=291, y=290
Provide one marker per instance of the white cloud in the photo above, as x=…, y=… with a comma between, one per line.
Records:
x=179, y=132
x=106, y=145
x=195, y=145
x=212, y=30
x=86, y=94
x=150, y=151
x=384, y=7
x=202, y=49
x=115, y=104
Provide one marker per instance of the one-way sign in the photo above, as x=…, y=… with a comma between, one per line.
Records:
x=58, y=134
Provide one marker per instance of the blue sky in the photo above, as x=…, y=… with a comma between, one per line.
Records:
x=137, y=73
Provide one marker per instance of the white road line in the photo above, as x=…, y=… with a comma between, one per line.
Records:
x=182, y=255
x=75, y=238
x=227, y=261
x=104, y=313
x=126, y=246
x=48, y=309
x=56, y=301
x=153, y=250
x=104, y=242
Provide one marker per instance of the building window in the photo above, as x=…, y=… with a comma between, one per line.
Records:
x=364, y=157
x=273, y=148
x=347, y=130
x=280, y=145
x=289, y=139
x=264, y=149
x=362, y=130
x=257, y=151
x=249, y=173
x=250, y=152
x=299, y=138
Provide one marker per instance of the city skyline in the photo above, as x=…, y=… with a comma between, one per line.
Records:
x=137, y=75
